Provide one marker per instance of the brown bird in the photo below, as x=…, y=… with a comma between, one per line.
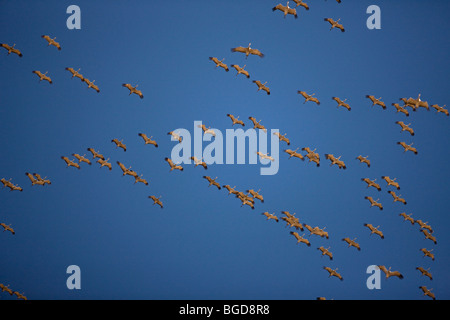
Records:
x=7, y=228
x=127, y=171
x=20, y=295
x=333, y=273
x=257, y=125
x=399, y=108
x=371, y=183
x=427, y=253
x=342, y=103
x=51, y=41
x=308, y=97
x=301, y=3
x=6, y=288
x=300, y=238
x=390, y=273
x=408, y=147
x=91, y=84
x=374, y=230
x=396, y=197
x=70, y=163
x=391, y=182
x=427, y=292
x=335, y=160
x=156, y=200
x=240, y=70
x=95, y=154
x=405, y=127
x=424, y=225
x=34, y=180
x=248, y=50
x=363, y=160
x=282, y=137
x=199, y=162
x=312, y=157
x=175, y=136
x=440, y=109
x=256, y=195
x=428, y=235
x=105, y=163
x=81, y=158
x=236, y=120
x=219, y=63
x=352, y=243
x=270, y=216
x=325, y=251
x=11, y=49
x=133, y=90
x=212, y=182
x=376, y=101
x=119, y=144
x=286, y=10
x=294, y=153
x=140, y=179
x=230, y=189
x=42, y=76
x=75, y=73
x=148, y=140
x=335, y=24
x=173, y=165
x=407, y=217
x=262, y=86
x=425, y=272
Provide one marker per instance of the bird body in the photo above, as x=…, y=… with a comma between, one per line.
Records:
x=390, y=273
x=352, y=243
x=325, y=251
x=104, y=163
x=148, y=140
x=127, y=171
x=91, y=84
x=425, y=272
x=247, y=51
x=407, y=147
x=51, y=41
x=236, y=120
x=212, y=182
x=396, y=197
x=240, y=70
x=282, y=137
x=119, y=144
x=219, y=63
x=333, y=273
x=376, y=101
x=173, y=166
x=75, y=73
x=335, y=24
x=335, y=160
x=95, y=154
x=262, y=86
x=257, y=125
x=270, y=216
x=399, y=108
x=427, y=292
x=81, y=158
x=156, y=201
x=374, y=230
x=286, y=9
x=427, y=253
x=405, y=127
x=265, y=156
x=133, y=90
x=308, y=97
x=11, y=49
x=407, y=217
x=294, y=153
x=199, y=162
x=300, y=238
x=43, y=76
x=71, y=163
x=7, y=228
x=175, y=136
x=391, y=182
x=342, y=103
x=140, y=179
x=441, y=109
x=371, y=183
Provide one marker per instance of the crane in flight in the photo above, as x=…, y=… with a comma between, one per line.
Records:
x=262, y=86
x=300, y=238
x=326, y=251
x=333, y=273
x=81, y=158
x=212, y=182
x=240, y=70
x=172, y=165
x=286, y=10
x=427, y=292
x=235, y=120
x=75, y=73
x=70, y=163
x=11, y=49
x=335, y=24
x=119, y=144
x=342, y=103
x=270, y=216
x=391, y=182
x=309, y=97
x=371, y=183
x=157, y=200
x=407, y=147
x=352, y=243
x=219, y=63
x=43, y=76
x=405, y=127
x=51, y=41
x=425, y=272
x=363, y=160
x=148, y=140
x=294, y=153
x=247, y=51
x=133, y=90
x=374, y=230
x=390, y=273
x=376, y=101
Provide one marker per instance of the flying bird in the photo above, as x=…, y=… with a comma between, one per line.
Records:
x=236, y=120
x=11, y=49
x=7, y=228
x=335, y=24
x=300, y=238
x=219, y=63
x=81, y=158
x=270, y=216
x=199, y=162
x=286, y=9
x=156, y=201
x=374, y=230
x=257, y=125
x=173, y=165
x=363, y=160
x=40, y=179
x=70, y=163
x=127, y=171
x=407, y=217
x=140, y=179
x=51, y=41
x=390, y=273
x=425, y=272
x=326, y=251
x=407, y=147
x=43, y=76
x=262, y=86
x=301, y=3
x=265, y=156
x=231, y=190
x=428, y=235
x=399, y=108
x=335, y=160
x=396, y=197
x=405, y=127
x=427, y=253
x=148, y=140
x=75, y=73
x=294, y=153
x=91, y=84
x=133, y=90
x=376, y=101
x=427, y=292
x=119, y=144
x=175, y=136
x=371, y=183
x=440, y=109
x=308, y=97
x=212, y=182
x=352, y=243
x=256, y=195
x=391, y=182
x=95, y=154
x=34, y=180
x=342, y=103
x=248, y=50
x=333, y=273
x=240, y=70
x=282, y=137
x=104, y=163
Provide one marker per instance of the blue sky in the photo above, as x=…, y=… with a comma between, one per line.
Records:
x=203, y=244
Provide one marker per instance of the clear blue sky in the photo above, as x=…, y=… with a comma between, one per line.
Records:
x=203, y=244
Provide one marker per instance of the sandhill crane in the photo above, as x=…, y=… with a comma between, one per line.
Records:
x=286, y=9
x=173, y=165
x=405, y=127
x=33, y=179
x=43, y=76
x=75, y=73
x=207, y=130
x=219, y=63
x=11, y=49
x=248, y=50
x=371, y=183
x=91, y=84
x=425, y=272
x=265, y=156
x=133, y=89
x=363, y=160
x=119, y=144
x=292, y=222
x=376, y=101
x=300, y=238
x=326, y=251
x=7, y=289
x=396, y=197
x=427, y=253
x=257, y=125
x=230, y=189
x=374, y=230
x=427, y=292
x=294, y=153
x=320, y=232
x=313, y=158
x=390, y=273
x=10, y=185
x=342, y=103
x=51, y=41
x=156, y=200
x=245, y=199
x=7, y=228
x=20, y=295
x=440, y=109
x=256, y=195
x=391, y=182
x=199, y=162
x=424, y=225
x=282, y=137
x=415, y=103
x=140, y=179
x=308, y=97
x=212, y=182
x=105, y=163
x=236, y=120
x=270, y=216
x=335, y=24
x=70, y=163
x=81, y=158
x=428, y=235
x=333, y=273
x=241, y=70
x=175, y=136
x=335, y=160
x=301, y=3
x=288, y=214
x=95, y=154
x=127, y=171
x=148, y=140
x=5, y=182
x=407, y=147
x=262, y=86
x=407, y=217
x=43, y=180
x=15, y=187
x=352, y=243
x=399, y=108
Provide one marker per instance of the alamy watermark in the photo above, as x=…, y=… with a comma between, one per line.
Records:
x=213, y=153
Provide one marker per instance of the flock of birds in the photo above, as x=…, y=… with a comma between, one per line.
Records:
x=249, y=197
